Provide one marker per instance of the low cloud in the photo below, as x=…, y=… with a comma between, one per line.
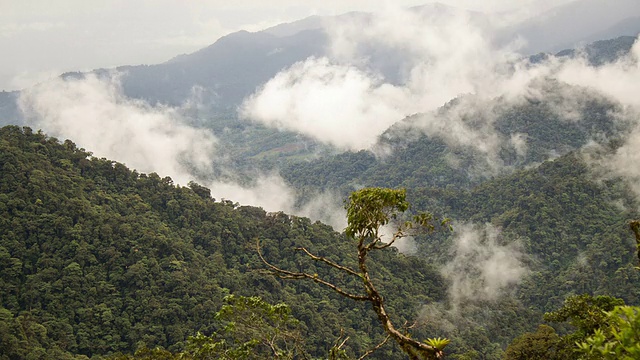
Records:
x=482, y=266
x=481, y=274
x=273, y=194
x=94, y=113
x=326, y=207
x=336, y=104
x=382, y=68
x=519, y=143
x=406, y=245
x=25, y=79
x=620, y=163
x=624, y=162
x=617, y=81
x=347, y=99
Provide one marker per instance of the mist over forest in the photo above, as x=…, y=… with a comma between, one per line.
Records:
x=146, y=210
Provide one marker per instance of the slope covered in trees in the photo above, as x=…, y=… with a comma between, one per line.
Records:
x=574, y=229
x=570, y=225
x=97, y=259
x=414, y=155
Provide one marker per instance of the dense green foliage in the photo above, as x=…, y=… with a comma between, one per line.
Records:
x=97, y=259
x=602, y=327
x=573, y=229
x=417, y=160
x=618, y=339
x=571, y=225
x=107, y=260
x=253, y=329
x=541, y=345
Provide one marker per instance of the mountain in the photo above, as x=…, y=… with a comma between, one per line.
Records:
x=576, y=22
x=414, y=158
x=603, y=51
x=229, y=70
x=629, y=27
x=97, y=259
x=224, y=82
x=237, y=64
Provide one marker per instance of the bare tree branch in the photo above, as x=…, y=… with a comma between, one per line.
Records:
x=372, y=350
x=343, y=342
x=329, y=262
x=285, y=274
x=415, y=349
x=369, y=209
x=408, y=327
x=635, y=227
x=398, y=235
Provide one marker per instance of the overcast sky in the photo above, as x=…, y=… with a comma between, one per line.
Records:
x=43, y=38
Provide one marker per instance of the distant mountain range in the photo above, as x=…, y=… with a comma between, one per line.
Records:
x=577, y=23
x=232, y=68
x=235, y=65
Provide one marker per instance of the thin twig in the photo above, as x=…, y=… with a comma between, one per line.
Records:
x=343, y=342
x=329, y=262
x=372, y=350
x=398, y=235
x=285, y=274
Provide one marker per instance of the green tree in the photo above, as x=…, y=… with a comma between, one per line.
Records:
x=253, y=329
x=605, y=328
x=541, y=345
x=621, y=338
x=368, y=210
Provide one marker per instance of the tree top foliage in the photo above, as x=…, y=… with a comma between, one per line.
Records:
x=369, y=209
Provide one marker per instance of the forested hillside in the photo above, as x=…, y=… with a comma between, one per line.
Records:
x=413, y=156
x=570, y=223
x=97, y=259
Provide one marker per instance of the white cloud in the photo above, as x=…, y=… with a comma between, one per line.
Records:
x=336, y=104
x=481, y=267
x=344, y=100
x=27, y=79
x=405, y=244
x=95, y=114
x=618, y=80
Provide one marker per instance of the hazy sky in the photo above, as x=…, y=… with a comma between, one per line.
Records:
x=43, y=38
